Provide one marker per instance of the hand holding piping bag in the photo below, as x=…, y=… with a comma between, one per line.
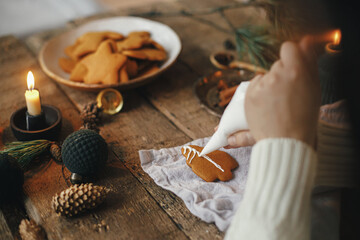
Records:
x=285, y=101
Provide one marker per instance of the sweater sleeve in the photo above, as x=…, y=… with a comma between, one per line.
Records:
x=276, y=203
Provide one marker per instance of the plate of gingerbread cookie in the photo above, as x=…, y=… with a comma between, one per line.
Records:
x=119, y=52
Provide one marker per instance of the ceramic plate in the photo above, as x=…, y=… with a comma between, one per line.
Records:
x=54, y=49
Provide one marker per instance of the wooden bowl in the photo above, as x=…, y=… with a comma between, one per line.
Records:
x=54, y=49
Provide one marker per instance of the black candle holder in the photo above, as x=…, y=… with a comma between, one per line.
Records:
x=26, y=127
x=35, y=122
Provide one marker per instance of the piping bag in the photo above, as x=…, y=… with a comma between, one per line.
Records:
x=232, y=121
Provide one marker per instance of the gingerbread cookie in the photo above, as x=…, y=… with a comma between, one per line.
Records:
x=123, y=75
x=215, y=165
x=89, y=42
x=103, y=66
x=146, y=53
x=152, y=44
x=67, y=64
x=131, y=68
x=133, y=42
x=148, y=41
x=78, y=73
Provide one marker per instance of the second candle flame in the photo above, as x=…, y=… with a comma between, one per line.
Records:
x=337, y=37
x=30, y=81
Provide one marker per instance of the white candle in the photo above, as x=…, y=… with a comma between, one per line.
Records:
x=32, y=96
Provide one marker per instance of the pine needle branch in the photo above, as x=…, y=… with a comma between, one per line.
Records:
x=24, y=152
x=256, y=43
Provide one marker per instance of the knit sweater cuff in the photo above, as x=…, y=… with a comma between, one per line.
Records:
x=336, y=152
x=278, y=188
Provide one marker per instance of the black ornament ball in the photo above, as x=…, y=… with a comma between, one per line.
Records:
x=11, y=179
x=84, y=152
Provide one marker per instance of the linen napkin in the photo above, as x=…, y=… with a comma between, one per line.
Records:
x=213, y=202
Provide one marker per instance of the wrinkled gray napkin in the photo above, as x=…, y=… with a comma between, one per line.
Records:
x=210, y=201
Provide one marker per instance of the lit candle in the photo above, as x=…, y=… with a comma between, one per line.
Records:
x=32, y=96
x=329, y=65
x=334, y=47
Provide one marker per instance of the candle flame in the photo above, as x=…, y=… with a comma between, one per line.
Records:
x=337, y=37
x=30, y=81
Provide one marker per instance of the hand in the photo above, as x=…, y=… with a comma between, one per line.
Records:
x=285, y=101
x=241, y=139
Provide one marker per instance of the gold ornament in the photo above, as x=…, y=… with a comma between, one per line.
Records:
x=78, y=198
x=110, y=101
x=29, y=230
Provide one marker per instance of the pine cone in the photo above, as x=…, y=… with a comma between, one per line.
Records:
x=91, y=113
x=91, y=117
x=78, y=198
x=29, y=230
x=55, y=151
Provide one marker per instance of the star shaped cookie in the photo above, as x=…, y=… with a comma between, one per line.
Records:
x=103, y=66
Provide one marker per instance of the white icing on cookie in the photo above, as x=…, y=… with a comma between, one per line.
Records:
x=194, y=152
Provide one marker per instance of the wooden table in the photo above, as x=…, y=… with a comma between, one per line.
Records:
x=165, y=113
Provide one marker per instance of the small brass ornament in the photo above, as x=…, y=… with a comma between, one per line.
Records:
x=110, y=101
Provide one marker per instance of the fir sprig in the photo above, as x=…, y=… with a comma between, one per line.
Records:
x=25, y=152
x=257, y=44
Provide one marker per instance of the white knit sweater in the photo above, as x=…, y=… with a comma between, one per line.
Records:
x=276, y=203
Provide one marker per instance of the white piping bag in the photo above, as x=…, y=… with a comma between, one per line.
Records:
x=232, y=121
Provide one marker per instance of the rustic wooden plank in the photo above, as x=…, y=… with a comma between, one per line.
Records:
x=130, y=212
x=5, y=232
